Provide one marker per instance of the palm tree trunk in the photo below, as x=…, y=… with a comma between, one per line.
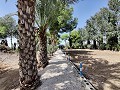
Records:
x=43, y=62
x=29, y=78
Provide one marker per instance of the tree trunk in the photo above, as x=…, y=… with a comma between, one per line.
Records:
x=53, y=44
x=43, y=62
x=11, y=40
x=94, y=44
x=29, y=78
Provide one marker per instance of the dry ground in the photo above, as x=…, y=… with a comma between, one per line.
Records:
x=9, y=71
x=101, y=67
x=9, y=76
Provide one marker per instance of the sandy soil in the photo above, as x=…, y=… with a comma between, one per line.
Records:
x=101, y=67
x=56, y=76
x=9, y=76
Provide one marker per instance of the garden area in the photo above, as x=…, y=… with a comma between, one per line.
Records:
x=102, y=68
x=33, y=34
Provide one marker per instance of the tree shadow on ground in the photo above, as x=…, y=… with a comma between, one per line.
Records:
x=97, y=69
x=75, y=52
x=58, y=76
x=9, y=79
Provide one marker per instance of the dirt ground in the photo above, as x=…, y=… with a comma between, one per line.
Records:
x=9, y=76
x=9, y=71
x=102, y=68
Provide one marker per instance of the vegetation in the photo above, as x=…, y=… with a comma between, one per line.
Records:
x=101, y=30
x=53, y=18
x=28, y=72
x=8, y=27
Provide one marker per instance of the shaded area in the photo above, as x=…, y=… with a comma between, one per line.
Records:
x=58, y=75
x=9, y=78
x=97, y=69
x=75, y=52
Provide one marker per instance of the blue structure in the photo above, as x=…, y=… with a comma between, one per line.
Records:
x=81, y=74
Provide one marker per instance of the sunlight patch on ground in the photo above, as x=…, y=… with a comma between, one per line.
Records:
x=50, y=75
x=63, y=66
x=61, y=85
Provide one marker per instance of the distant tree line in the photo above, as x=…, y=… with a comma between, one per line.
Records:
x=102, y=29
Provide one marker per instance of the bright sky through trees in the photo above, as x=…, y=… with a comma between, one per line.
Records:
x=82, y=10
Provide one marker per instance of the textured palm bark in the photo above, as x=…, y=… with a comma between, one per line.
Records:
x=29, y=78
x=53, y=44
x=43, y=62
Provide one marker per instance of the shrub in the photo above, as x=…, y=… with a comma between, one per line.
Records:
x=88, y=46
x=102, y=46
x=107, y=47
x=51, y=49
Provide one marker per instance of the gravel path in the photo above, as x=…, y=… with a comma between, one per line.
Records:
x=58, y=75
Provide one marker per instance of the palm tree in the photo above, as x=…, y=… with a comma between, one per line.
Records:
x=29, y=78
x=47, y=12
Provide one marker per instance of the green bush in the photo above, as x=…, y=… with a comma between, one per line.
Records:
x=88, y=46
x=117, y=47
x=107, y=47
x=85, y=46
x=92, y=46
x=51, y=49
x=102, y=47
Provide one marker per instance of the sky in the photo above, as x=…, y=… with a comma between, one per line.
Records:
x=8, y=7
x=83, y=10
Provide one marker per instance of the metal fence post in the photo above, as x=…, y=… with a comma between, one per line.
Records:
x=81, y=74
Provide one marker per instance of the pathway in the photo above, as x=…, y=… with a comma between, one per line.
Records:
x=58, y=75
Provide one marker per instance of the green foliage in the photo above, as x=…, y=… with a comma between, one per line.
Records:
x=102, y=47
x=114, y=5
x=3, y=32
x=47, y=11
x=103, y=23
x=51, y=49
x=113, y=42
x=69, y=25
x=65, y=21
x=7, y=26
x=76, y=39
x=64, y=36
x=55, y=15
x=69, y=1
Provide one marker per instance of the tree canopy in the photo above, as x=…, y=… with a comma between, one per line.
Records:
x=7, y=26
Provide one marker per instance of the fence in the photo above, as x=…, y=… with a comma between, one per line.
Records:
x=85, y=83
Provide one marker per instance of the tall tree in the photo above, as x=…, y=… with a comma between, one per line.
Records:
x=29, y=78
x=47, y=13
x=65, y=22
x=75, y=38
x=3, y=32
x=10, y=24
x=114, y=6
